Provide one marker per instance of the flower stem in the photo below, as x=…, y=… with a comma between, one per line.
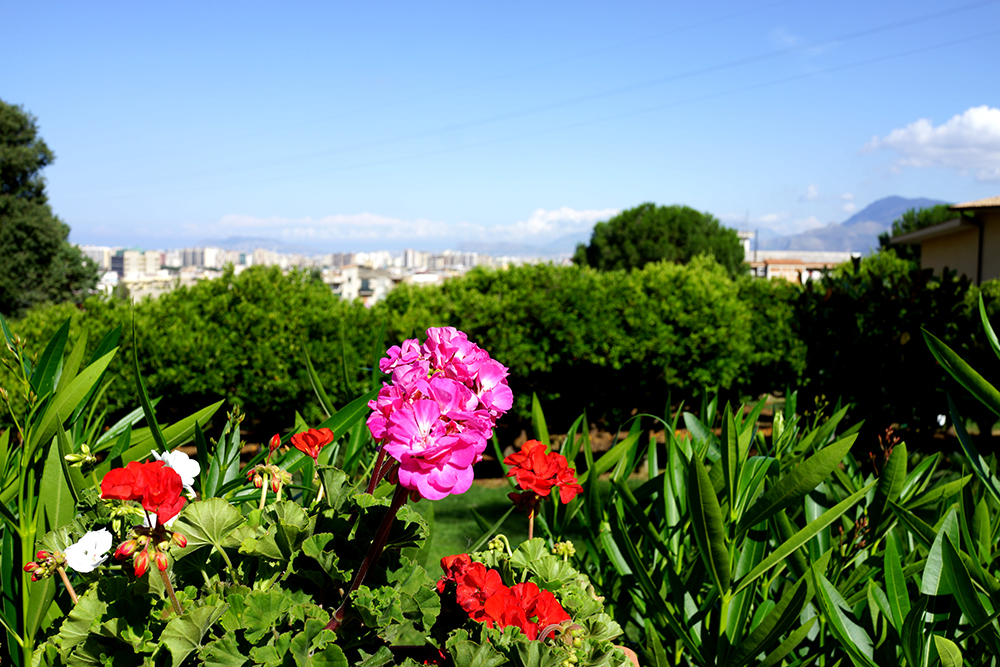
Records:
x=376, y=472
x=263, y=493
x=69, y=586
x=531, y=522
x=371, y=558
x=170, y=591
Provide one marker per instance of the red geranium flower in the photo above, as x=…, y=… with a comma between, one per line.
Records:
x=154, y=484
x=538, y=471
x=312, y=441
x=481, y=593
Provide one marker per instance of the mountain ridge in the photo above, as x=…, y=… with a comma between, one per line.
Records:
x=859, y=233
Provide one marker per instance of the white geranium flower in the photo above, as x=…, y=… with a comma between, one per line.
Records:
x=90, y=551
x=185, y=466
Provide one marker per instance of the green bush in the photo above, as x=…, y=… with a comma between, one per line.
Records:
x=239, y=338
x=862, y=330
x=608, y=341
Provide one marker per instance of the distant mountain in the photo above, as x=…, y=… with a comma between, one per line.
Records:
x=251, y=243
x=859, y=233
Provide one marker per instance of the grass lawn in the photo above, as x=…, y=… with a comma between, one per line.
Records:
x=455, y=528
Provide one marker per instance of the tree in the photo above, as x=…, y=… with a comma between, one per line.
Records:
x=37, y=263
x=650, y=233
x=911, y=221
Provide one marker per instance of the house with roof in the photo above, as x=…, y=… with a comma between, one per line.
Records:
x=969, y=244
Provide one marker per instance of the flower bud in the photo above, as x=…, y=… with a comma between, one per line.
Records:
x=161, y=561
x=163, y=546
x=30, y=566
x=141, y=563
x=125, y=549
x=179, y=540
x=275, y=442
x=42, y=555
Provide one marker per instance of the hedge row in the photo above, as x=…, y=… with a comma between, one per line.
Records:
x=611, y=342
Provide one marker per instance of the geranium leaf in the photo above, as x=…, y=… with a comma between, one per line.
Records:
x=183, y=634
x=466, y=653
x=223, y=652
x=212, y=521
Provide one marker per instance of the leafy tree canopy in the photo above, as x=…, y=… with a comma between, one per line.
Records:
x=650, y=233
x=38, y=264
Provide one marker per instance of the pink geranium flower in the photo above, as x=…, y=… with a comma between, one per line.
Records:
x=438, y=413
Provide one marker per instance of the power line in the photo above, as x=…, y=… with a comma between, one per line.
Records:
x=605, y=119
x=701, y=71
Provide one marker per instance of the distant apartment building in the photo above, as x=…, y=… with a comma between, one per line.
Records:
x=134, y=262
x=100, y=254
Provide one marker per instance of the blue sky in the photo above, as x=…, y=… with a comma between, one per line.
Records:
x=354, y=126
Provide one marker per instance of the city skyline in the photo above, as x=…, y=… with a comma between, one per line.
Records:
x=337, y=127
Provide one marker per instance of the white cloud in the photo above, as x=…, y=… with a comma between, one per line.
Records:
x=847, y=196
x=968, y=142
x=541, y=226
x=812, y=192
x=849, y=207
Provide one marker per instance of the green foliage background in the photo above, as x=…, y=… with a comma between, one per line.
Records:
x=606, y=341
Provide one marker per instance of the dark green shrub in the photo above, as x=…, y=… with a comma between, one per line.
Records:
x=862, y=332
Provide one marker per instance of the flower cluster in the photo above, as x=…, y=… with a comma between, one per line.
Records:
x=262, y=472
x=439, y=411
x=158, y=488
x=483, y=595
x=154, y=484
x=538, y=472
x=45, y=565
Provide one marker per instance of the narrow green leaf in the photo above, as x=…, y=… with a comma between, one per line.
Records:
x=348, y=415
x=44, y=376
x=956, y=580
x=140, y=386
x=706, y=523
x=895, y=584
x=490, y=531
x=889, y=488
x=804, y=535
x=538, y=424
x=797, y=483
x=948, y=652
x=63, y=403
x=317, y=385
x=990, y=334
x=965, y=374
x=729, y=450
x=773, y=625
x=920, y=530
x=932, y=580
x=845, y=627
x=978, y=463
x=783, y=532
x=73, y=361
x=938, y=492
x=794, y=639
x=9, y=337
